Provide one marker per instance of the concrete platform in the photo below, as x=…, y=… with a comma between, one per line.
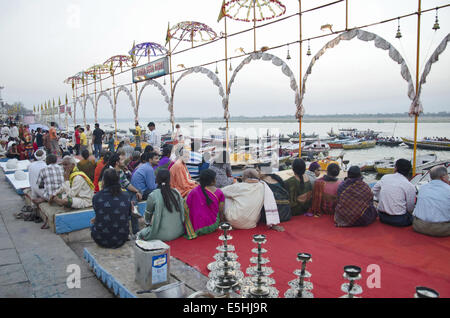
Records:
x=116, y=269
x=21, y=165
x=18, y=185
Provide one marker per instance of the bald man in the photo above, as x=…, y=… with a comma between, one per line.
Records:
x=432, y=211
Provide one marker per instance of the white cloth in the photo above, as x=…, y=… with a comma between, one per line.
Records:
x=154, y=139
x=80, y=192
x=396, y=195
x=14, y=132
x=33, y=173
x=243, y=204
x=270, y=206
x=63, y=144
x=5, y=132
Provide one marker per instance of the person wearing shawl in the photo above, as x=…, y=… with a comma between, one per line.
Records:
x=354, y=201
x=300, y=189
x=280, y=192
x=134, y=162
x=325, y=192
x=180, y=178
x=221, y=166
x=77, y=191
x=244, y=202
x=205, y=204
x=87, y=165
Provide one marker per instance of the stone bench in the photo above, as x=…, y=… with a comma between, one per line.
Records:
x=21, y=165
x=18, y=185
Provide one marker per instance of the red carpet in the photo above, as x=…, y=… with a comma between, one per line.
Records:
x=407, y=259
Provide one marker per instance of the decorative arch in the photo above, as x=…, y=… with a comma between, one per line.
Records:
x=78, y=100
x=380, y=43
x=275, y=61
x=161, y=90
x=198, y=69
x=417, y=108
x=110, y=102
x=89, y=97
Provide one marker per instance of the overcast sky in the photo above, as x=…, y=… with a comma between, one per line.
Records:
x=46, y=41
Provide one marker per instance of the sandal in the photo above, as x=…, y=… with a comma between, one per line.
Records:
x=18, y=215
x=44, y=226
x=26, y=208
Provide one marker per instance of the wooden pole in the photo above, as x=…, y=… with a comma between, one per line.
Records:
x=254, y=25
x=115, y=107
x=226, y=83
x=346, y=15
x=171, y=84
x=417, y=88
x=300, y=80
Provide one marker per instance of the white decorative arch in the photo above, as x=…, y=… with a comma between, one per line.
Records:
x=159, y=87
x=275, y=61
x=379, y=42
x=198, y=69
x=78, y=100
x=89, y=97
x=111, y=103
x=417, y=109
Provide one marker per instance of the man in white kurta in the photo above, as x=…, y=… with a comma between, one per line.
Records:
x=244, y=201
x=33, y=173
x=77, y=191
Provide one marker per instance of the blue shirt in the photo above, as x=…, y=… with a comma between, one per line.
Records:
x=144, y=178
x=433, y=202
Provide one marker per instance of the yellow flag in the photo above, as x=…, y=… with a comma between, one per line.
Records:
x=67, y=101
x=222, y=12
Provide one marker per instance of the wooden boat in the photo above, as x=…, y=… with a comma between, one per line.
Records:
x=422, y=163
x=359, y=144
x=324, y=163
x=428, y=144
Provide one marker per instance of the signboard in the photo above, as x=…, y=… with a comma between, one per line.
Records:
x=151, y=70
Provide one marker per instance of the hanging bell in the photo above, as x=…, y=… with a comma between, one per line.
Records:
x=231, y=68
x=131, y=90
x=436, y=23
x=308, y=52
x=288, y=57
x=217, y=71
x=164, y=80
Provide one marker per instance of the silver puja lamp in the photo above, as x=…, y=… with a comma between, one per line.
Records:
x=352, y=273
x=299, y=287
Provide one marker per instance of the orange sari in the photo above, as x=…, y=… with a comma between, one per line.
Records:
x=180, y=178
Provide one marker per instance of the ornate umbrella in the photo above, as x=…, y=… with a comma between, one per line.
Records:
x=253, y=11
x=191, y=31
x=118, y=61
x=148, y=49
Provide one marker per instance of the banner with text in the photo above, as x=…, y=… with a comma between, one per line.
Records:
x=151, y=70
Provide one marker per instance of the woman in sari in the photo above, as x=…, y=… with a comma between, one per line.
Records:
x=300, y=189
x=325, y=192
x=165, y=213
x=205, y=204
x=355, y=201
x=165, y=161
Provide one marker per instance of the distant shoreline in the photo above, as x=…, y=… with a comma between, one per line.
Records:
x=306, y=119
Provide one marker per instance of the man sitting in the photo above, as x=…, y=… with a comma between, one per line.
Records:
x=143, y=178
x=50, y=178
x=87, y=166
x=77, y=190
x=396, y=196
x=244, y=202
x=432, y=212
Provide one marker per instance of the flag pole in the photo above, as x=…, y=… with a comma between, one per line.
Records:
x=300, y=81
x=226, y=84
x=416, y=116
x=171, y=80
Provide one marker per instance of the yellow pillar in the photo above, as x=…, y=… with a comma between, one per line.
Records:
x=417, y=88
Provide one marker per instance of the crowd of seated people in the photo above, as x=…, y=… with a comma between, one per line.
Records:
x=177, y=205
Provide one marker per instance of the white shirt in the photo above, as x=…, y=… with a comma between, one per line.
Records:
x=154, y=139
x=63, y=143
x=395, y=194
x=5, y=131
x=14, y=132
x=433, y=202
x=33, y=173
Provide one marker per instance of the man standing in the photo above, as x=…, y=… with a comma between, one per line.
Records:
x=98, y=140
x=396, y=196
x=138, y=135
x=77, y=140
x=39, y=138
x=432, y=212
x=53, y=139
x=83, y=139
x=14, y=131
x=89, y=138
x=154, y=139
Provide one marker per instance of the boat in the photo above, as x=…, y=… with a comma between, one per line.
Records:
x=428, y=144
x=296, y=135
x=358, y=144
x=389, y=142
x=422, y=163
x=324, y=163
x=317, y=146
x=424, y=176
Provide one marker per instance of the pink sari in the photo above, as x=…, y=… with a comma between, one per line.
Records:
x=205, y=219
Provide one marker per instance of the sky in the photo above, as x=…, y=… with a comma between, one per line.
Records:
x=46, y=41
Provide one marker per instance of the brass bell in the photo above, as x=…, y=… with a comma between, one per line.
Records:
x=231, y=68
x=436, y=23
x=217, y=71
x=308, y=52
x=288, y=57
x=399, y=34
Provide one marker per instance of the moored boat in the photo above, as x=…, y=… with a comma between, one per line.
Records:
x=428, y=144
x=359, y=144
